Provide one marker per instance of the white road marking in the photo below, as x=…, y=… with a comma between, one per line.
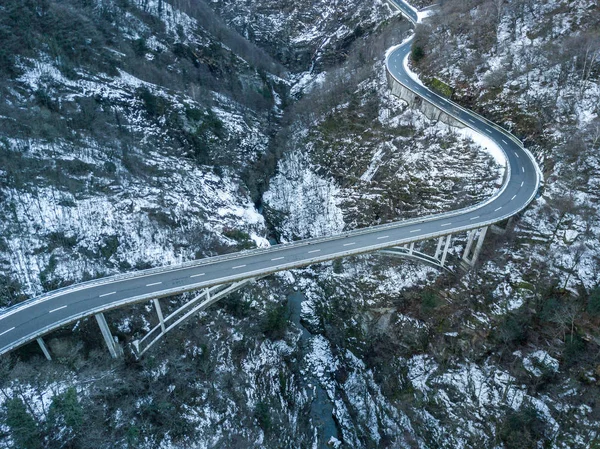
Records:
x=416, y=230
x=197, y=275
x=505, y=141
x=314, y=251
x=106, y=294
x=523, y=168
x=446, y=224
x=522, y=182
x=475, y=218
x=471, y=120
x=7, y=330
x=517, y=155
x=154, y=283
x=278, y=258
x=384, y=237
x=349, y=244
x=488, y=130
x=59, y=308
x=514, y=196
x=497, y=209
x=239, y=266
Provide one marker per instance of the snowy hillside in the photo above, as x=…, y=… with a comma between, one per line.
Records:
x=124, y=144
x=142, y=133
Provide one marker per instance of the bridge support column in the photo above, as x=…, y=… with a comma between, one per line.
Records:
x=44, y=348
x=160, y=314
x=471, y=236
x=113, y=348
x=438, y=250
x=480, y=240
x=501, y=231
x=445, y=253
x=467, y=258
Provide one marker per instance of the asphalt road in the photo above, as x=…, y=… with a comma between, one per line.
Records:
x=26, y=321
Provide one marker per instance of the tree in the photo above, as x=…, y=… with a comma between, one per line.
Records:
x=23, y=428
x=66, y=415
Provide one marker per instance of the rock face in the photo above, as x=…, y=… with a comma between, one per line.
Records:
x=299, y=34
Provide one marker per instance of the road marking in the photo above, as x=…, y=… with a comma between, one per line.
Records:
x=522, y=182
x=505, y=141
x=239, y=266
x=472, y=121
x=106, y=294
x=497, y=209
x=446, y=224
x=59, y=308
x=197, y=275
x=514, y=196
x=475, y=218
x=488, y=130
x=516, y=155
x=384, y=237
x=416, y=230
x=7, y=330
x=523, y=168
x=154, y=283
x=314, y=251
x=278, y=258
x=349, y=244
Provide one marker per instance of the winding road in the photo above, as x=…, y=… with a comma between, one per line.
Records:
x=28, y=320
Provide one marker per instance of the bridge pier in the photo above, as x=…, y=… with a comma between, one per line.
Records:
x=113, y=347
x=482, y=234
x=446, y=246
x=470, y=238
x=501, y=231
x=438, y=249
x=467, y=258
x=44, y=348
x=160, y=314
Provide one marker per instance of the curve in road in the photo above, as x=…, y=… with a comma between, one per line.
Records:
x=28, y=320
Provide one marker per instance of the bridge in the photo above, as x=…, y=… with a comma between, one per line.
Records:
x=215, y=277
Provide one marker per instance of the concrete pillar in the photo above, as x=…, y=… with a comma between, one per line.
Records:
x=438, y=250
x=108, y=338
x=482, y=233
x=412, y=248
x=44, y=348
x=160, y=314
x=445, y=253
x=471, y=235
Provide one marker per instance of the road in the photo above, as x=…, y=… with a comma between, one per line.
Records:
x=26, y=321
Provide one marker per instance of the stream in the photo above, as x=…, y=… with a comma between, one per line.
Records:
x=321, y=409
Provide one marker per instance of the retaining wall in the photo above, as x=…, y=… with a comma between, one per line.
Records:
x=415, y=101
